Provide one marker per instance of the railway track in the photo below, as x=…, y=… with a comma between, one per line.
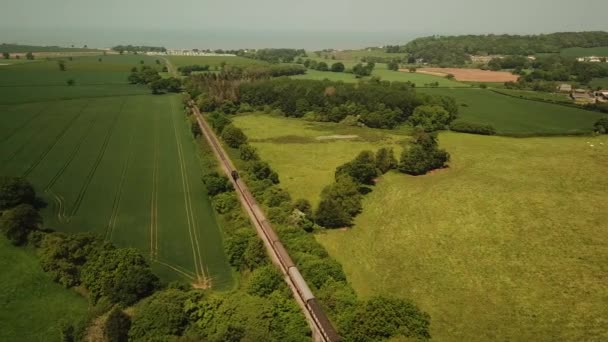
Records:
x=321, y=327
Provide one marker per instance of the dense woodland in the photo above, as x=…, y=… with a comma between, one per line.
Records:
x=455, y=50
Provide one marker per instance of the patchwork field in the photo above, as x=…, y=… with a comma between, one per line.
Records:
x=509, y=243
x=124, y=167
x=585, y=52
x=471, y=75
x=519, y=117
x=28, y=295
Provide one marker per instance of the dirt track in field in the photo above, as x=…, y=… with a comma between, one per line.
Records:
x=471, y=75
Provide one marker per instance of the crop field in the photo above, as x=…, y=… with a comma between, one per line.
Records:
x=519, y=117
x=33, y=306
x=212, y=61
x=290, y=144
x=537, y=95
x=487, y=246
x=125, y=167
x=585, y=52
x=471, y=75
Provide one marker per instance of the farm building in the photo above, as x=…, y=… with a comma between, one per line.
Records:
x=592, y=59
x=602, y=95
x=581, y=96
x=483, y=59
x=565, y=88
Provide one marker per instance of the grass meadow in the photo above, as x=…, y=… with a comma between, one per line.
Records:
x=599, y=82
x=519, y=117
x=508, y=243
x=212, y=61
x=291, y=144
x=33, y=306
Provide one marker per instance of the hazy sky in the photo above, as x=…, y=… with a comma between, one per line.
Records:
x=409, y=17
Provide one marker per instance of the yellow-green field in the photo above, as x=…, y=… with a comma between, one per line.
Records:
x=508, y=243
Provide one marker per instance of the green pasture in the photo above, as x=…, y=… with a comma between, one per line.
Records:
x=537, y=95
x=306, y=164
x=599, y=82
x=33, y=306
x=507, y=244
x=518, y=117
x=212, y=61
x=14, y=48
x=585, y=52
x=125, y=167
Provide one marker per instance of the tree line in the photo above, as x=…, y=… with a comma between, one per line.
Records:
x=356, y=319
x=138, y=48
x=150, y=77
x=455, y=50
x=274, y=55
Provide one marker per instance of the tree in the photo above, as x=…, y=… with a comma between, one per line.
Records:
x=393, y=65
x=361, y=70
x=430, y=118
x=264, y=281
x=195, y=128
x=248, y=152
x=385, y=160
x=15, y=191
x=601, y=126
x=63, y=256
x=234, y=136
x=70, y=82
x=29, y=56
x=322, y=66
x=422, y=155
x=304, y=206
x=340, y=202
x=117, y=325
x=6, y=55
x=216, y=183
x=337, y=67
x=18, y=222
x=121, y=275
x=382, y=317
x=362, y=168
x=160, y=316
x=255, y=254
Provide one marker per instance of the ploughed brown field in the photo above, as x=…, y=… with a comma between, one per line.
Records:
x=472, y=75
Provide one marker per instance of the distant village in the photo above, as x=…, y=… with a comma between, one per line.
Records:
x=189, y=52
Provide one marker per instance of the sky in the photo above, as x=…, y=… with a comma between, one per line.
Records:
x=272, y=22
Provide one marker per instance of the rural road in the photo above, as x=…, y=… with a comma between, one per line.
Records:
x=257, y=217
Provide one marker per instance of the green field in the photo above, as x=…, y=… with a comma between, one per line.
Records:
x=585, y=52
x=290, y=145
x=508, y=244
x=13, y=48
x=212, y=61
x=599, y=82
x=33, y=306
x=386, y=75
x=536, y=95
x=519, y=117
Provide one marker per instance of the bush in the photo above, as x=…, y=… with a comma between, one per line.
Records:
x=219, y=121
x=15, y=191
x=474, y=128
x=254, y=254
x=18, y=222
x=248, y=152
x=261, y=170
x=304, y=206
x=121, y=275
x=381, y=318
x=264, y=281
x=160, y=316
x=423, y=155
x=275, y=196
x=225, y=202
x=601, y=126
x=337, y=67
x=340, y=202
x=117, y=325
x=430, y=118
x=216, y=183
x=362, y=168
x=385, y=160
x=234, y=136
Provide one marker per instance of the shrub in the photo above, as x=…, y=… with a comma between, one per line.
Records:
x=474, y=128
x=430, y=118
x=18, y=222
x=160, y=316
x=261, y=170
x=340, y=202
x=385, y=160
x=304, y=206
x=121, y=275
x=264, y=281
x=219, y=121
x=225, y=202
x=601, y=126
x=275, y=196
x=117, y=325
x=254, y=254
x=248, y=152
x=216, y=183
x=15, y=191
x=362, y=168
x=423, y=155
x=337, y=67
x=234, y=136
